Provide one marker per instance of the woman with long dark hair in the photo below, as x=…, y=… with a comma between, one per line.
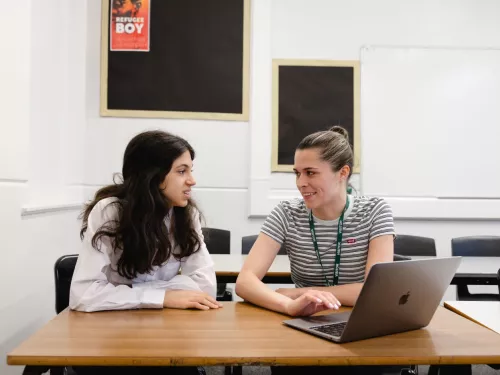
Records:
x=139, y=233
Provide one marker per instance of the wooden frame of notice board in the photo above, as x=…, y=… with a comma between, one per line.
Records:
x=197, y=66
x=309, y=96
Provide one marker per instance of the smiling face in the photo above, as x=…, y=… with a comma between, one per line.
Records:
x=319, y=185
x=176, y=186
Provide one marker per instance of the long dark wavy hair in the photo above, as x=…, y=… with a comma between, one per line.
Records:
x=140, y=230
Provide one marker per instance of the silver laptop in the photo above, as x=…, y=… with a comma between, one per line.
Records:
x=396, y=297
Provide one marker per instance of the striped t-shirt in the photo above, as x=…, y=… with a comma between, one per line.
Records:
x=365, y=219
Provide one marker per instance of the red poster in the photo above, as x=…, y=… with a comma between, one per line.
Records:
x=129, y=25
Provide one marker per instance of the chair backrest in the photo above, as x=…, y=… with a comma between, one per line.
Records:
x=414, y=245
x=248, y=241
x=63, y=273
x=476, y=246
x=398, y=257
x=498, y=281
x=218, y=241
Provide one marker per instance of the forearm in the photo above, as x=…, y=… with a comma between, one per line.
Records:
x=205, y=280
x=347, y=294
x=178, y=282
x=99, y=296
x=251, y=289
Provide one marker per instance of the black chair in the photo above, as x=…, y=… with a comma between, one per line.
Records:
x=398, y=257
x=498, y=280
x=218, y=241
x=408, y=245
x=248, y=241
x=475, y=246
x=63, y=273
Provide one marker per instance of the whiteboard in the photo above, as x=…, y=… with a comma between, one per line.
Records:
x=430, y=122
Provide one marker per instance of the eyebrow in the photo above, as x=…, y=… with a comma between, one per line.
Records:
x=306, y=169
x=183, y=166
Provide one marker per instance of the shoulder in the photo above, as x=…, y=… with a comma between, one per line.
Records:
x=370, y=207
x=291, y=209
x=195, y=213
x=196, y=217
x=104, y=210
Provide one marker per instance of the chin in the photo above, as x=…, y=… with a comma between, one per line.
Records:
x=183, y=203
x=310, y=205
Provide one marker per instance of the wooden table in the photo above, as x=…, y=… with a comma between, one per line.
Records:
x=241, y=334
x=472, y=270
x=486, y=313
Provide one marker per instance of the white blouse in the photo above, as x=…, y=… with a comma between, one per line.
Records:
x=96, y=284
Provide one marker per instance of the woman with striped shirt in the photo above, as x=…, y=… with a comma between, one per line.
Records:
x=332, y=238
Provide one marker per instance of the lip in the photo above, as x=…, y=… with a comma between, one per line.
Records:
x=187, y=193
x=308, y=197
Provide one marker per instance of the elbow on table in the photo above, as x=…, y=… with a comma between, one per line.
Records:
x=242, y=284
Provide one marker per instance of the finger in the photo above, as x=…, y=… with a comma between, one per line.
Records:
x=213, y=300
x=335, y=300
x=197, y=305
x=312, y=297
x=316, y=294
x=338, y=301
x=330, y=300
x=209, y=303
x=325, y=298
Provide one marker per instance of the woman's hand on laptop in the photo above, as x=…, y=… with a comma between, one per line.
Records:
x=311, y=302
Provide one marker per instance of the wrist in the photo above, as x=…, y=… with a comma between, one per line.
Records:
x=284, y=304
x=166, y=294
x=300, y=291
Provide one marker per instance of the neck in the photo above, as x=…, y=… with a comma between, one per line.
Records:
x=333, y=210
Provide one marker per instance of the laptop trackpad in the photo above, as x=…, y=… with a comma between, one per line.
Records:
x=312, y=321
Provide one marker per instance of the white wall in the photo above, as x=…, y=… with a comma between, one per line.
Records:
x=42, y=93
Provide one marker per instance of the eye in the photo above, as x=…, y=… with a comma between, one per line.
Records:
x=309, y=173
x=297, y=174
x=182, y=171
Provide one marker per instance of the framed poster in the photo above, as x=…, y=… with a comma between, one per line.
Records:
x=129, y=25
x=309, y=96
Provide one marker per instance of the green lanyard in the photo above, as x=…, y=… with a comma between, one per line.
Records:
x=338, y=249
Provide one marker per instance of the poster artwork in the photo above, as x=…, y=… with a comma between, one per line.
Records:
x=129, y=25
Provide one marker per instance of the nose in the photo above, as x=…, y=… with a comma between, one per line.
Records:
x=191, y=181
x=301, y=181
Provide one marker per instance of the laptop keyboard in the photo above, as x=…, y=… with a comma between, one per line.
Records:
x=334, y=329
